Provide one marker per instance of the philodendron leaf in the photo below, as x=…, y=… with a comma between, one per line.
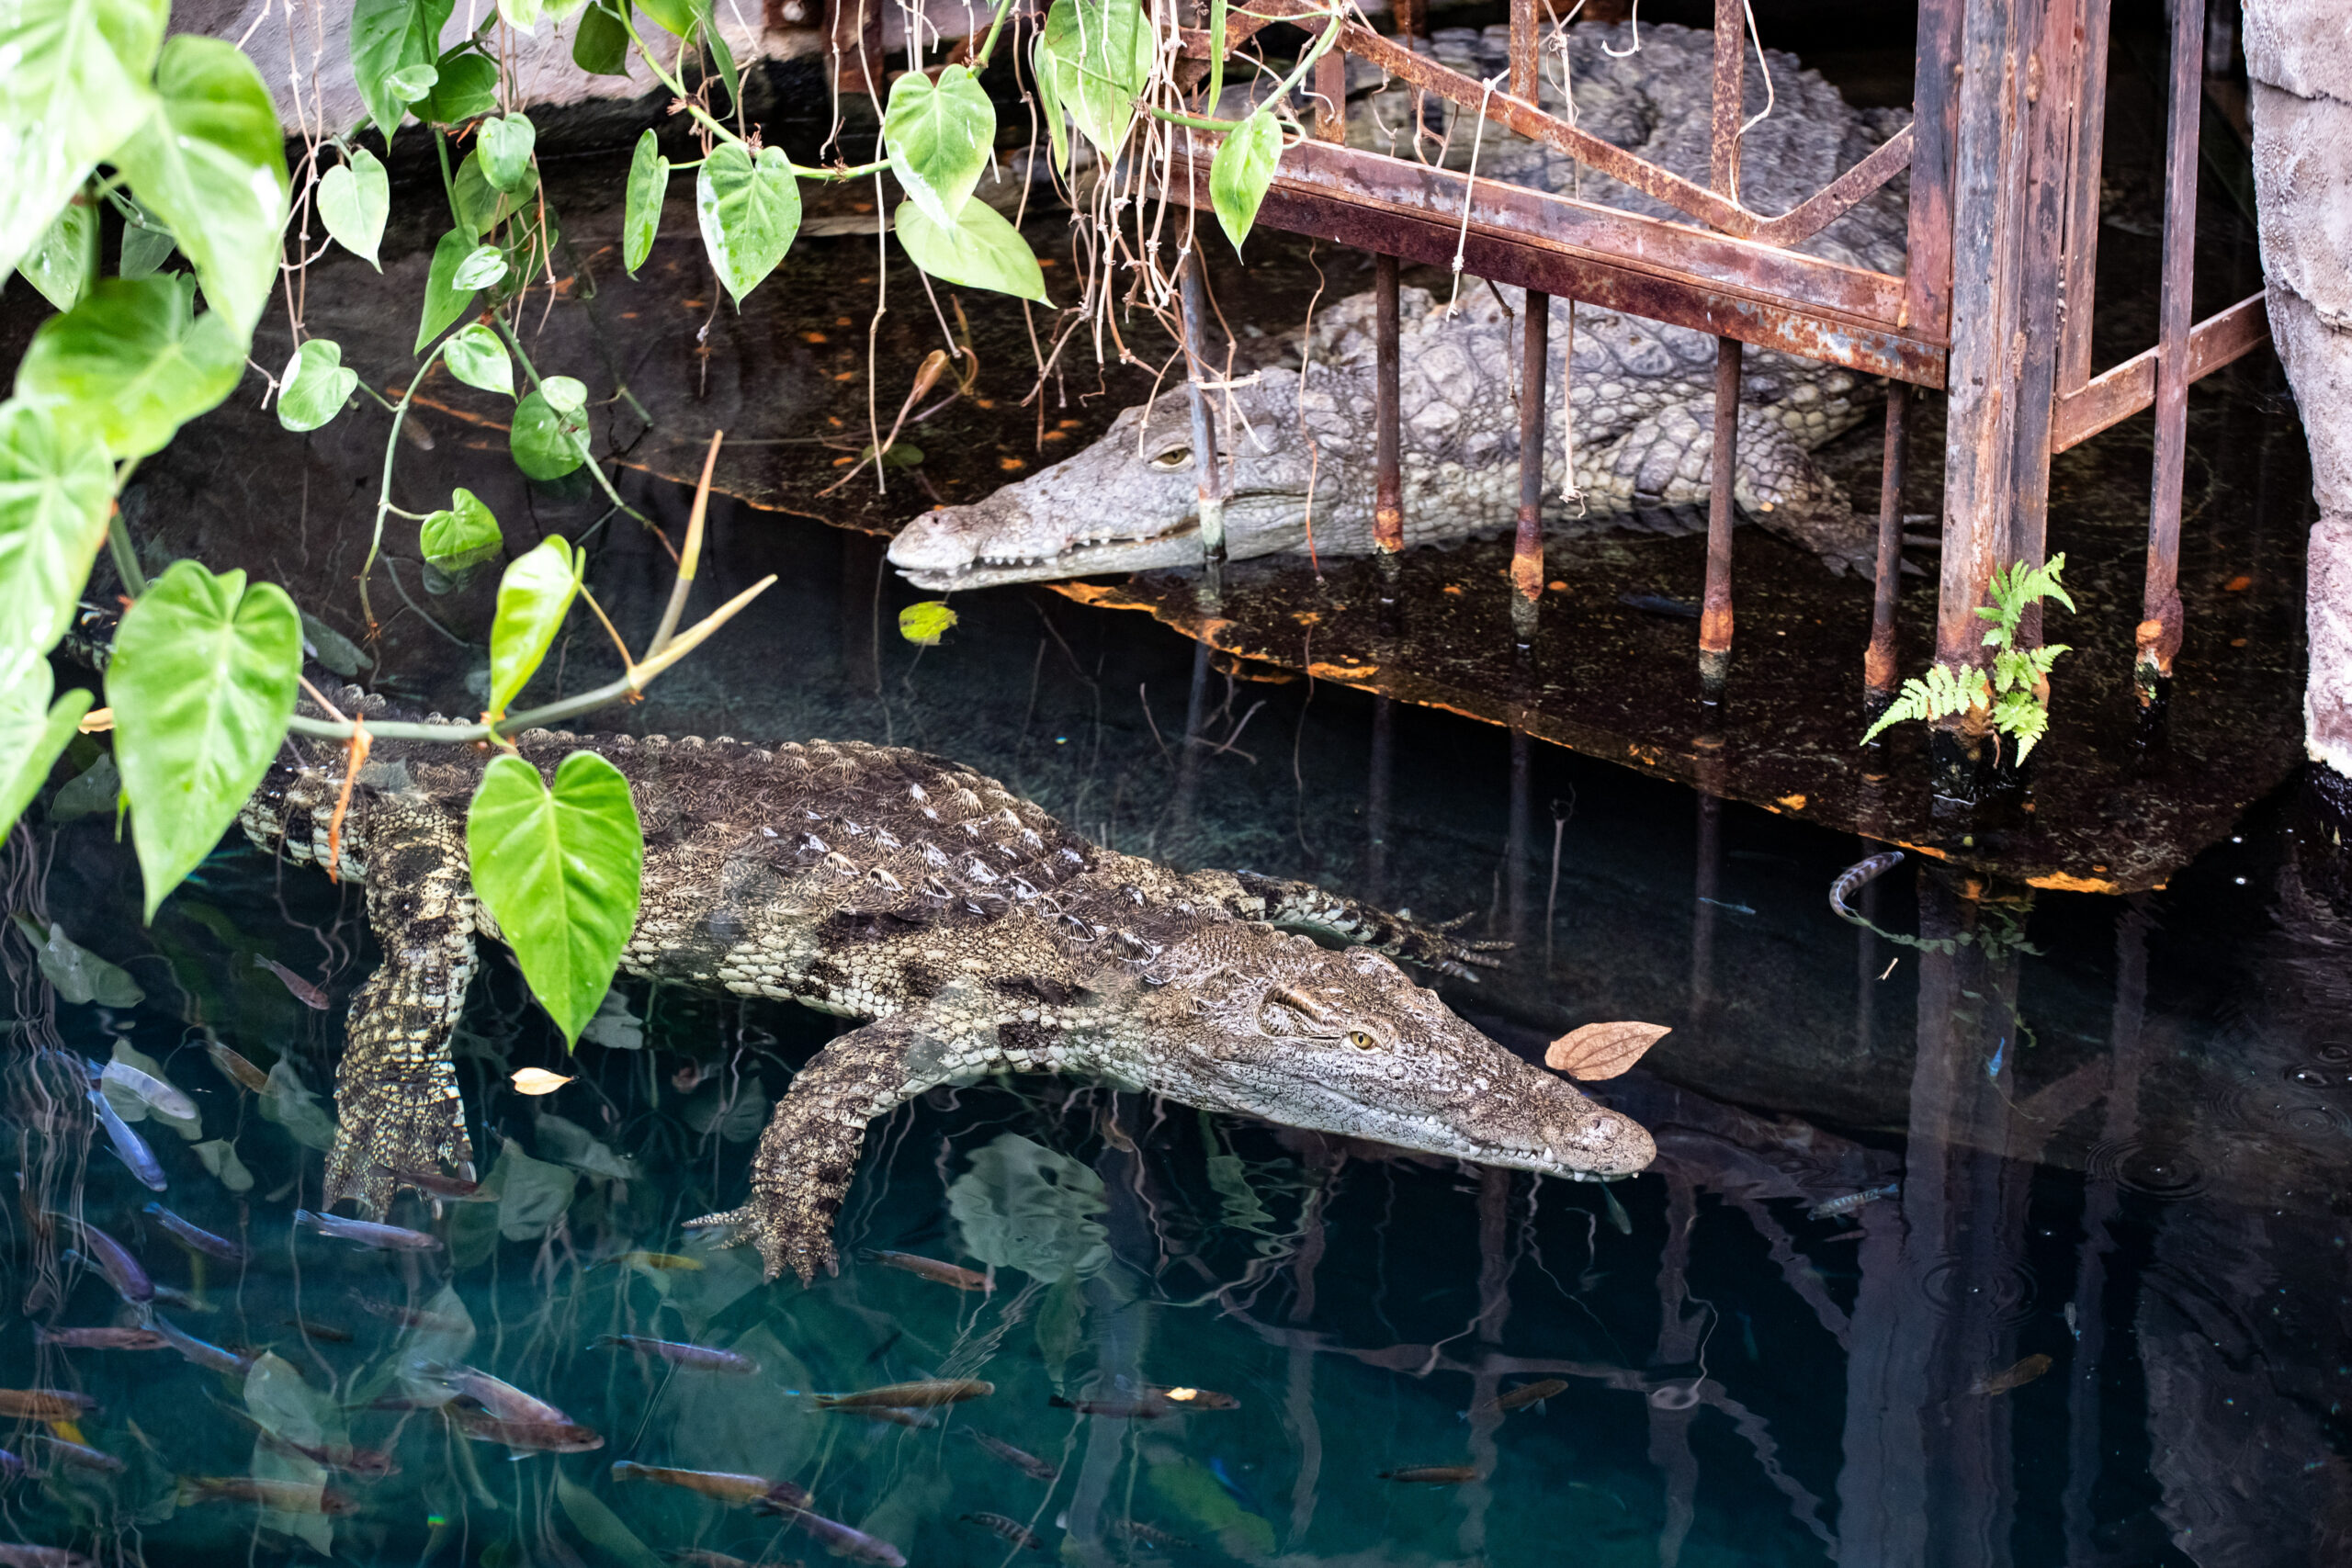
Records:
x=601, y=46
x=982, y=250
x=676, y=18
x=506, y=144
x=465, y=84
x=463, y=535
x=202, y=683
x=354, y=197
x=147, y=245
x=549, y=440
x=1095, y=57
x=939, y=136
x=443, y=301
x=56, y=488
x=749, y=212
x=66, y=260
x=475, y=357
x=393, y=46
x=73, y=88
x=557, y=870
x=131, y=363
x=1056, y=129
x=649, y=183
x=32, y=733
x=316, y=386
x=212, y=164
x=532, y=598
x=1243, y=168
x=481, y=206
x=483, y=266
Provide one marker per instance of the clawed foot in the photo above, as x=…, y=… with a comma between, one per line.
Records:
x=781, y=1235
x=385, y=1133
x=1434, y=946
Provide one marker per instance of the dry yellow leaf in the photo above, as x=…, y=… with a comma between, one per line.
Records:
x=538, y=1081
x=1601, y=1050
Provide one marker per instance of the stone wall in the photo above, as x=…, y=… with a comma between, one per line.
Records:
x=2299, y=56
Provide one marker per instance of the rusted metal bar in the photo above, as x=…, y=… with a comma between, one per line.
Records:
x=1878, y=661
x=1730, y=103
x=2129, y=386
x=1525, y=59
x=1927, y=301
x=1388, y=493
x=1208, y=473
x=2082, y=203
x=1987, y=218
x=1714, y=610
x=1526, y=556
x=1774, y=298
x=2160, y=618
x=1800, y=223
x=1331, y=96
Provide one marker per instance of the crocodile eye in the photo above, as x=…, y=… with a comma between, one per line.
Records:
x=1361, y=1040
x=1173, y=458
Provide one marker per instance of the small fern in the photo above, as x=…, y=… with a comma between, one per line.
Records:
x=2016, y=688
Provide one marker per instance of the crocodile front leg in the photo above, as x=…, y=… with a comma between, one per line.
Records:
x=809, y=1151
x=396, y=1097
x=1303, y=906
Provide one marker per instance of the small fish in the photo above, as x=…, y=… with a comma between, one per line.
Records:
x=1150, y=1408
x=727, y=1487
x=1617, y=1214
x=301, y=990
x=44, y=1404
x=16, y=1554
x=1011, y=1530
x=538, y=1081
x=129, y=1147
x=1659, y=604
x=448, y=1189
x=211, y=1357
x=100, y=1339
x=368, y=1464
x=910, y=1395
x=1434, y=1474
x=2073, y=1326
x=83, y=1455
x=197, y=1236
x=670, y=1260
x=114, y=1261
x=921, y=1420
x=172, y=1296
x=237, y=1068
x=316, y=1330
x=1149, y=1535
x=366, y=1233
x=153, y=1091
x=929, y=1269
x=1734, y=908
x=547, y=1436
x=1831, y=1208
x=1196, y=1398
x=702, y=1358
x=284, y=1496
x=502, y=1400
x=1993, y=1067
x=2024, y=1372
x=408, y=1316
x=839, y=1539
x=1526, y=1394
x=1851, y=880
x=1028, y=1464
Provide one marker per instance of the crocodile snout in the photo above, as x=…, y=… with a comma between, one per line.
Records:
x=1601, y=1143
x=947, y=540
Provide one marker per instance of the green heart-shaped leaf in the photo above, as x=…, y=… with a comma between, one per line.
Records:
x=393, y=46
x=463, y=535
x=73, y=88
x=939, y=138
x=354, y=197
x=56, y=490
x=147, y=243
x=1097, y=56
x=475, y=357
x=202, y=681
x=506, y=146
x=601, y=46
x=443, y=301
x=316, y=386
x=131, y=363
x=749, y=213
x=649, y=183
x=547, y=442
x=982, y=250
x=32, y=733
x=1243, y=168
x=925, y=623
x=532, y=598
x=465, y=84
x=481, y=267
x=64, y=261
x=559, y=871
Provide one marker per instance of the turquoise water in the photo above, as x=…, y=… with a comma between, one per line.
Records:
x=2119, y=1146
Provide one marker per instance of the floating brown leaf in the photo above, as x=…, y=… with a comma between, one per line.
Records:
x=1601, y=1050
x=2024, y=1372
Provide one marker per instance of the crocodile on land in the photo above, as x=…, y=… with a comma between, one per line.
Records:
x=1642, y=392
x=972, y=931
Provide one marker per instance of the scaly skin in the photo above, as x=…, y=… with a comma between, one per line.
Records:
x=1643, y=392
x=976, y=932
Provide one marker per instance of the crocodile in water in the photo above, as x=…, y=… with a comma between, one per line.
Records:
x=973, y=931
x=1642, y=392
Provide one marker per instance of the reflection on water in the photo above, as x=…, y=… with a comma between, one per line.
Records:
x=2097, y=1319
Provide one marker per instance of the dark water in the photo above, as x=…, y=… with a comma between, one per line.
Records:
x=2118, y=1131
